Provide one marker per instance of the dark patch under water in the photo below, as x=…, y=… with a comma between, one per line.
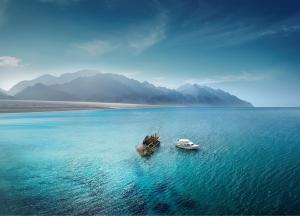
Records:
x=130, y=190
x=134, y=199
x=186, y=202
x=162, y=208
x=161, y=187
x=138, y=207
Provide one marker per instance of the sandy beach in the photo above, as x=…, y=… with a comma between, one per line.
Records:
x=18, y=106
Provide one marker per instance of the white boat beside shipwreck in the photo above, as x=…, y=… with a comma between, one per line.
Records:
x=186, y=144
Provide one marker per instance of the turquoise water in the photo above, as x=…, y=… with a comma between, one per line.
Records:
x=84, y=162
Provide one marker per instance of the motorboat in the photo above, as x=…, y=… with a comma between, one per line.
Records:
x=186, y=144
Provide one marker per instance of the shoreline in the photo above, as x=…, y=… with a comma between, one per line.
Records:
x=26, y=106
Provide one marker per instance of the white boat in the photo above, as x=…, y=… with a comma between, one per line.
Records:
x=186, y=144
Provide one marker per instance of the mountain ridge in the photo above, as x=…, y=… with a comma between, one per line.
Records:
x=107, y=87
x=49, y=79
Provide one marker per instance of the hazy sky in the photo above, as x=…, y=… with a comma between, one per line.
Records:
x=250, y=48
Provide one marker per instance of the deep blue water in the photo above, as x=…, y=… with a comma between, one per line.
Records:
x=84, y=162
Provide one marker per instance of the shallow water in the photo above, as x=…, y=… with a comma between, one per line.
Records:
x=84, y=162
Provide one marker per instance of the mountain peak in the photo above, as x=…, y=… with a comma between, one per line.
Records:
x=189, y=88
x=46, y=76
x=190, y=85
x=49, y=79
x=80, y=73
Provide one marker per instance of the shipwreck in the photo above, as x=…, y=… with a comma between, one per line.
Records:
x=149, y=146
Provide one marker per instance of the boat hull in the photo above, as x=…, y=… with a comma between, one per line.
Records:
x=188, y=147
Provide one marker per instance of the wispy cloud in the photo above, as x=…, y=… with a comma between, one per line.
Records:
x=9, y=61
x=228, y=78
x=95, y=47
x=286, y=26
x=3, y=6
x=60, y=2
x=135, y=40
x=232, y=29
x=147, y=36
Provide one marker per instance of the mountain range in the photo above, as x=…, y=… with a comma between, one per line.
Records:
x=105, y=87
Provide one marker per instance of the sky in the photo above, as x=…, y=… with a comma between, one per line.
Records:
x=250, y=48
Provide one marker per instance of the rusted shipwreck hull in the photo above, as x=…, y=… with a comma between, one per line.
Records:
x=149, y=145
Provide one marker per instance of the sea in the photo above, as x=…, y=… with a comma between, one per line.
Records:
x=85, y=162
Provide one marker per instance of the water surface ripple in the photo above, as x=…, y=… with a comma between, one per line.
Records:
x=84, y=162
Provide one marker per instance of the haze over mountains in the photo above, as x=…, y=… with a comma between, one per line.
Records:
x=104, y=87
x=4, y=95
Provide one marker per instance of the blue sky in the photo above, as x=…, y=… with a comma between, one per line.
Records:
x=250, y=48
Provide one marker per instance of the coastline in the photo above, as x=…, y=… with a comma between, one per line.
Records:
x=23, y=106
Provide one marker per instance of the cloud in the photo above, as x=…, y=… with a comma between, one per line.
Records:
x=210, y=30
x=3, y=6
x=147, y=36
x=286, y=26
x=60, y=2
x=245, y=76
x=136, y=39
x=95, y=47
x=9, y=61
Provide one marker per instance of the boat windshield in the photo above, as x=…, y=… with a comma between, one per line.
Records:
x=184, y=140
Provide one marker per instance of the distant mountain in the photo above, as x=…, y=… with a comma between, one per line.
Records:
x=104, y=87
x=51, y=80
x=118, y=88
x=42, y=92
x=209, y=96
